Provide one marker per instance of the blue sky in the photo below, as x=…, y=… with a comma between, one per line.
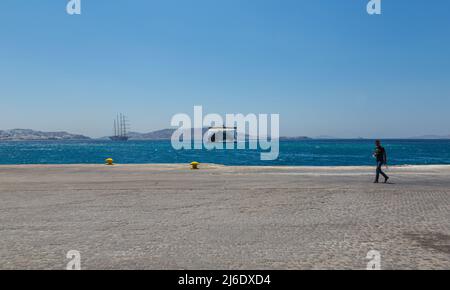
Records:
x=326, y=66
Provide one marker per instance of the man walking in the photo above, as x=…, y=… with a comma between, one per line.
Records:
x=381, y=156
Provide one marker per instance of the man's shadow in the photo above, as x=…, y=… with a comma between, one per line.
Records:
x=388, y=183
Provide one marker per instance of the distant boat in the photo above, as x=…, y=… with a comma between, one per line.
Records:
x=120, y=129
x=222, y=134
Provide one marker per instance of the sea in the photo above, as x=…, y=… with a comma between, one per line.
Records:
x=292, y=153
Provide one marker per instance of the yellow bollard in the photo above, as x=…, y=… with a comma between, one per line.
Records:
x=109, y=161
x=195, y=165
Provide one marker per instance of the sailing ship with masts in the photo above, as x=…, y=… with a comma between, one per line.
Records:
x=120, y=129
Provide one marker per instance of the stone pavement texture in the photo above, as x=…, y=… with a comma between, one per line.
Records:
x=170, y=217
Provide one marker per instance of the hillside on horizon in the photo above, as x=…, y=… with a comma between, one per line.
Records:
x=163, y=134
x=32, y=135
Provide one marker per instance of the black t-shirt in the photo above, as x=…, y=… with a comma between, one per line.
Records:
x=380, y=153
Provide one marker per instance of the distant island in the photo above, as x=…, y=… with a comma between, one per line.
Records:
x=298, y=138
x=165, y=134
x=430, y=137
x=31, y=135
